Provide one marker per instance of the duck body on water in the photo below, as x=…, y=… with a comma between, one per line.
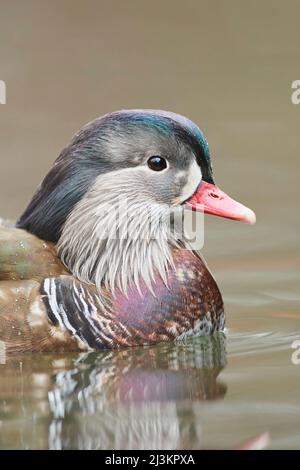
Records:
x=67, y=284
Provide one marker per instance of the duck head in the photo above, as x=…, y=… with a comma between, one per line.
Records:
x=113, y=169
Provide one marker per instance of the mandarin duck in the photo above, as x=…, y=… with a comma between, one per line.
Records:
x=95, y=262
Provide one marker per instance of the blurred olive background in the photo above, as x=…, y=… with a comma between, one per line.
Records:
x=228, y=65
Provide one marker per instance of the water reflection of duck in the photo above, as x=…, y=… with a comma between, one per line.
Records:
x=128, y=171
x=131, y=399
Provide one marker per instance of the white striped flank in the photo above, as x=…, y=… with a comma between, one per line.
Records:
x=57, y=309
x=86, y=310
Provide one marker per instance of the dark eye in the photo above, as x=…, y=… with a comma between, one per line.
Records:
x=157, y=163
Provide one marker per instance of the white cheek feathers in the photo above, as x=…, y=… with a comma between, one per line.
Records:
x=194, y=177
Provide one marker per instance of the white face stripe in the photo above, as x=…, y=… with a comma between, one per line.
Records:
x=194, y=177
